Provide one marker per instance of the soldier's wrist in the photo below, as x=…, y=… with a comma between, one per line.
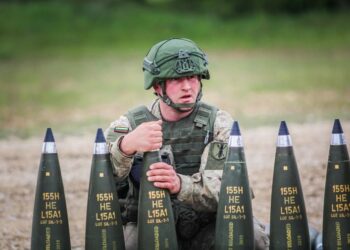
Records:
x=175, y=193
x=186, y=188
x=178, y=191
x=125, y=152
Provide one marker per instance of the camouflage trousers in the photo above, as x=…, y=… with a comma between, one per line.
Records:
x=203, y=240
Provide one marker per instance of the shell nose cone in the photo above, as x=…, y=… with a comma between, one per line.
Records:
x=337, y=128
x=100, y=138
x=235, y=129
x=49, y=136
x=283, y=129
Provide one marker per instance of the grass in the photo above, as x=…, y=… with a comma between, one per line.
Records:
x=265, y=87
x=62, y=29
x=76, y=69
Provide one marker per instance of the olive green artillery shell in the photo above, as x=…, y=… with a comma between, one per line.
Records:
x=234, y=221
x=288, y=221
x=336, y=213
x=104, y=229
x=156, y=226
x=50, y=229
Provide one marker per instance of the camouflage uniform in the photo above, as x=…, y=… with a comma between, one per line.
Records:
x=199, y=191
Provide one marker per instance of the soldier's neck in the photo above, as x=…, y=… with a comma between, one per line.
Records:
x=170, y=114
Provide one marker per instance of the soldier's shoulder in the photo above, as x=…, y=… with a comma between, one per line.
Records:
x=121, y=121
x=223, y=118
x=152, y=107
x=219, y=112
x=118, y=127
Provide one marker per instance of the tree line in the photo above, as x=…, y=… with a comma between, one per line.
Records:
x=222, y=8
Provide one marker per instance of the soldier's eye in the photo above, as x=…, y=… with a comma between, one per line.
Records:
x=191, y=77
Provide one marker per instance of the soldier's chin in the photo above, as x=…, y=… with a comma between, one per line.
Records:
x=186, y=109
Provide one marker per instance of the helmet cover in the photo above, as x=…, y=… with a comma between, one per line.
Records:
x=174, y=58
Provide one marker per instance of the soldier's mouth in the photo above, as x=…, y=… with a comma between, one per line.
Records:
x=186, y=98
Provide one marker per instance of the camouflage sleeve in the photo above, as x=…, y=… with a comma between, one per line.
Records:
x=222, y=126
x=201, y=190
x=114, y=134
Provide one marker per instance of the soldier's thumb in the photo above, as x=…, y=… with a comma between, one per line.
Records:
x=159, y=122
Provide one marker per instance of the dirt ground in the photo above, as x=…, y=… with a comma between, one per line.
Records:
x=19, y=162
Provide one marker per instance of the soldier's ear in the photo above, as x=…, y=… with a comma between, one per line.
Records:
x=157, y=89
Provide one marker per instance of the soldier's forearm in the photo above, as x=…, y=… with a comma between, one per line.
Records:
x=121, y=162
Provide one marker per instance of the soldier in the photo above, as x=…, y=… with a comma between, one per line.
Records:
x=194, y=135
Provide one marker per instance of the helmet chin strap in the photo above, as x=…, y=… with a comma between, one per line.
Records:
x=181, y=107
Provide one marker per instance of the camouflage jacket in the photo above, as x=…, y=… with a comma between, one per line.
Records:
x=201, y=190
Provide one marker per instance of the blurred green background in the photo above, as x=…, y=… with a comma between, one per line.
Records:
x=76, y=65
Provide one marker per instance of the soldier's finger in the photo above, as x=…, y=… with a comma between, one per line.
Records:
x=156, y=139
x=161, y=165
x=159, y=172
x=165, y=185
x=156, y=146
x=157, y=134
x=159, y=122
x=159, y=178
x=161, y=184
x=157, y=125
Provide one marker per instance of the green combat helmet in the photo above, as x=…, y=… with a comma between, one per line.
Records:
x=174, y=58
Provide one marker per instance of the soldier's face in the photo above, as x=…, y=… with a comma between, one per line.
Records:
x=183, y=90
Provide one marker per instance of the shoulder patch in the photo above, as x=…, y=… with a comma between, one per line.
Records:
x=217, y=156
x=218, y=150
x=122, y=130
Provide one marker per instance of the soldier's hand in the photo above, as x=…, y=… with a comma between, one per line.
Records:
x=163, y=175
x=146, y=137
